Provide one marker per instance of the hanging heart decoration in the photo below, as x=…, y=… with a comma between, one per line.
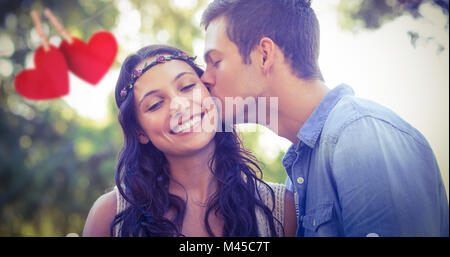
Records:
x=48, y=80
x=50, y=77
x=90, y=61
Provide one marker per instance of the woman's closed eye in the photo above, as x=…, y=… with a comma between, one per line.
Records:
x=155, y=106
x=186, y=88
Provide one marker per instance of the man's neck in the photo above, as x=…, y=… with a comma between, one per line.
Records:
x=297, y=99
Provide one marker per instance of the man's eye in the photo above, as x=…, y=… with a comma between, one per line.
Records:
x=188, y=87
x=216, y=64
x=155, y=106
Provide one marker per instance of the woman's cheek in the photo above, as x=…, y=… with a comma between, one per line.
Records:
x=152, y=123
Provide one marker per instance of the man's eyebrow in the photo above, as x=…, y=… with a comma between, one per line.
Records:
x=181, y=75
x=147, y=94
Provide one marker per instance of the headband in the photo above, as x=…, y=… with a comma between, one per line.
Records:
x=136, y=74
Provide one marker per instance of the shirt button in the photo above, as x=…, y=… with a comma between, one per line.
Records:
x=300, y=180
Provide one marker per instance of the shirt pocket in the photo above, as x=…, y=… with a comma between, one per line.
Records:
x=320, y=221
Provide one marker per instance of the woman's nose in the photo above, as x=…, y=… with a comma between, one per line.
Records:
x=179, y=111
x=179, y=105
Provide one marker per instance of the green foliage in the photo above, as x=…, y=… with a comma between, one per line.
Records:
x=357, y=14
x=53, y=163
x=174, y=18
x=272, y=168
x=48, y=181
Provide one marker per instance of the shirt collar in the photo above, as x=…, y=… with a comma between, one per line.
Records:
x=310, y=131
x=289, y=157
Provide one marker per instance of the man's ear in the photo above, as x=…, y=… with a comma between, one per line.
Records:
x=142, y=137
x=266, y=48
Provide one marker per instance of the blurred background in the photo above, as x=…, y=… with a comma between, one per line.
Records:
x=57, y=157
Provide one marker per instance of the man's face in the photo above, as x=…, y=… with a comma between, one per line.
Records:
x=226, y=74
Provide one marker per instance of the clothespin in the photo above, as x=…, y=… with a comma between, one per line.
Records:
x=60, y=28
x=40, y=30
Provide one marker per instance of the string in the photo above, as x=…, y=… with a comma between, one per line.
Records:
x=53, y=20
x=87, y=20
x=40, y=30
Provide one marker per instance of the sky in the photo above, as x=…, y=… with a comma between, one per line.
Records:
x=380, y=65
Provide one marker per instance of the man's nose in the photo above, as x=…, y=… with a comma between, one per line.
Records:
x=208, y=79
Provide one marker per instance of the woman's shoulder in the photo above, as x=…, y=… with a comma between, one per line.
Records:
x=276, y=186
x=101, y=215
x=282, y=193
x=284, y=209
x=278, y=189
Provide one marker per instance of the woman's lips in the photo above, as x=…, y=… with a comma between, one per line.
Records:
x=190, y=125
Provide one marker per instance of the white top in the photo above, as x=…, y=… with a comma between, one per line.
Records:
x=263, y=223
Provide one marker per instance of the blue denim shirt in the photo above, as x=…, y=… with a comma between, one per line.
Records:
x=360, y=170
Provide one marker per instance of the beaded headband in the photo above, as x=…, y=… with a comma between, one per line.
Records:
x=136, y=74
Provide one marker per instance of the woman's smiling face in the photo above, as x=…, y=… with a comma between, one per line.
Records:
x=174, y=108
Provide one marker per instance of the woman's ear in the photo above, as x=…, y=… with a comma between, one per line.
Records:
x=142, y=137
x=266, y=49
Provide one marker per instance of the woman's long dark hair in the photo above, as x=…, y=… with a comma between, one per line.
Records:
x=142, y=175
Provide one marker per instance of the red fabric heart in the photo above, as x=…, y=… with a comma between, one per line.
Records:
x=49, y=79
x=90, y=61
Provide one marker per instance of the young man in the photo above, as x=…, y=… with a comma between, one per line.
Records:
x=357, y=168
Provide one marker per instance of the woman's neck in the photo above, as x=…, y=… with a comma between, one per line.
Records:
x=191, y=175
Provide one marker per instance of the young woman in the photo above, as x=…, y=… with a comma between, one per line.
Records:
x=176, y=177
